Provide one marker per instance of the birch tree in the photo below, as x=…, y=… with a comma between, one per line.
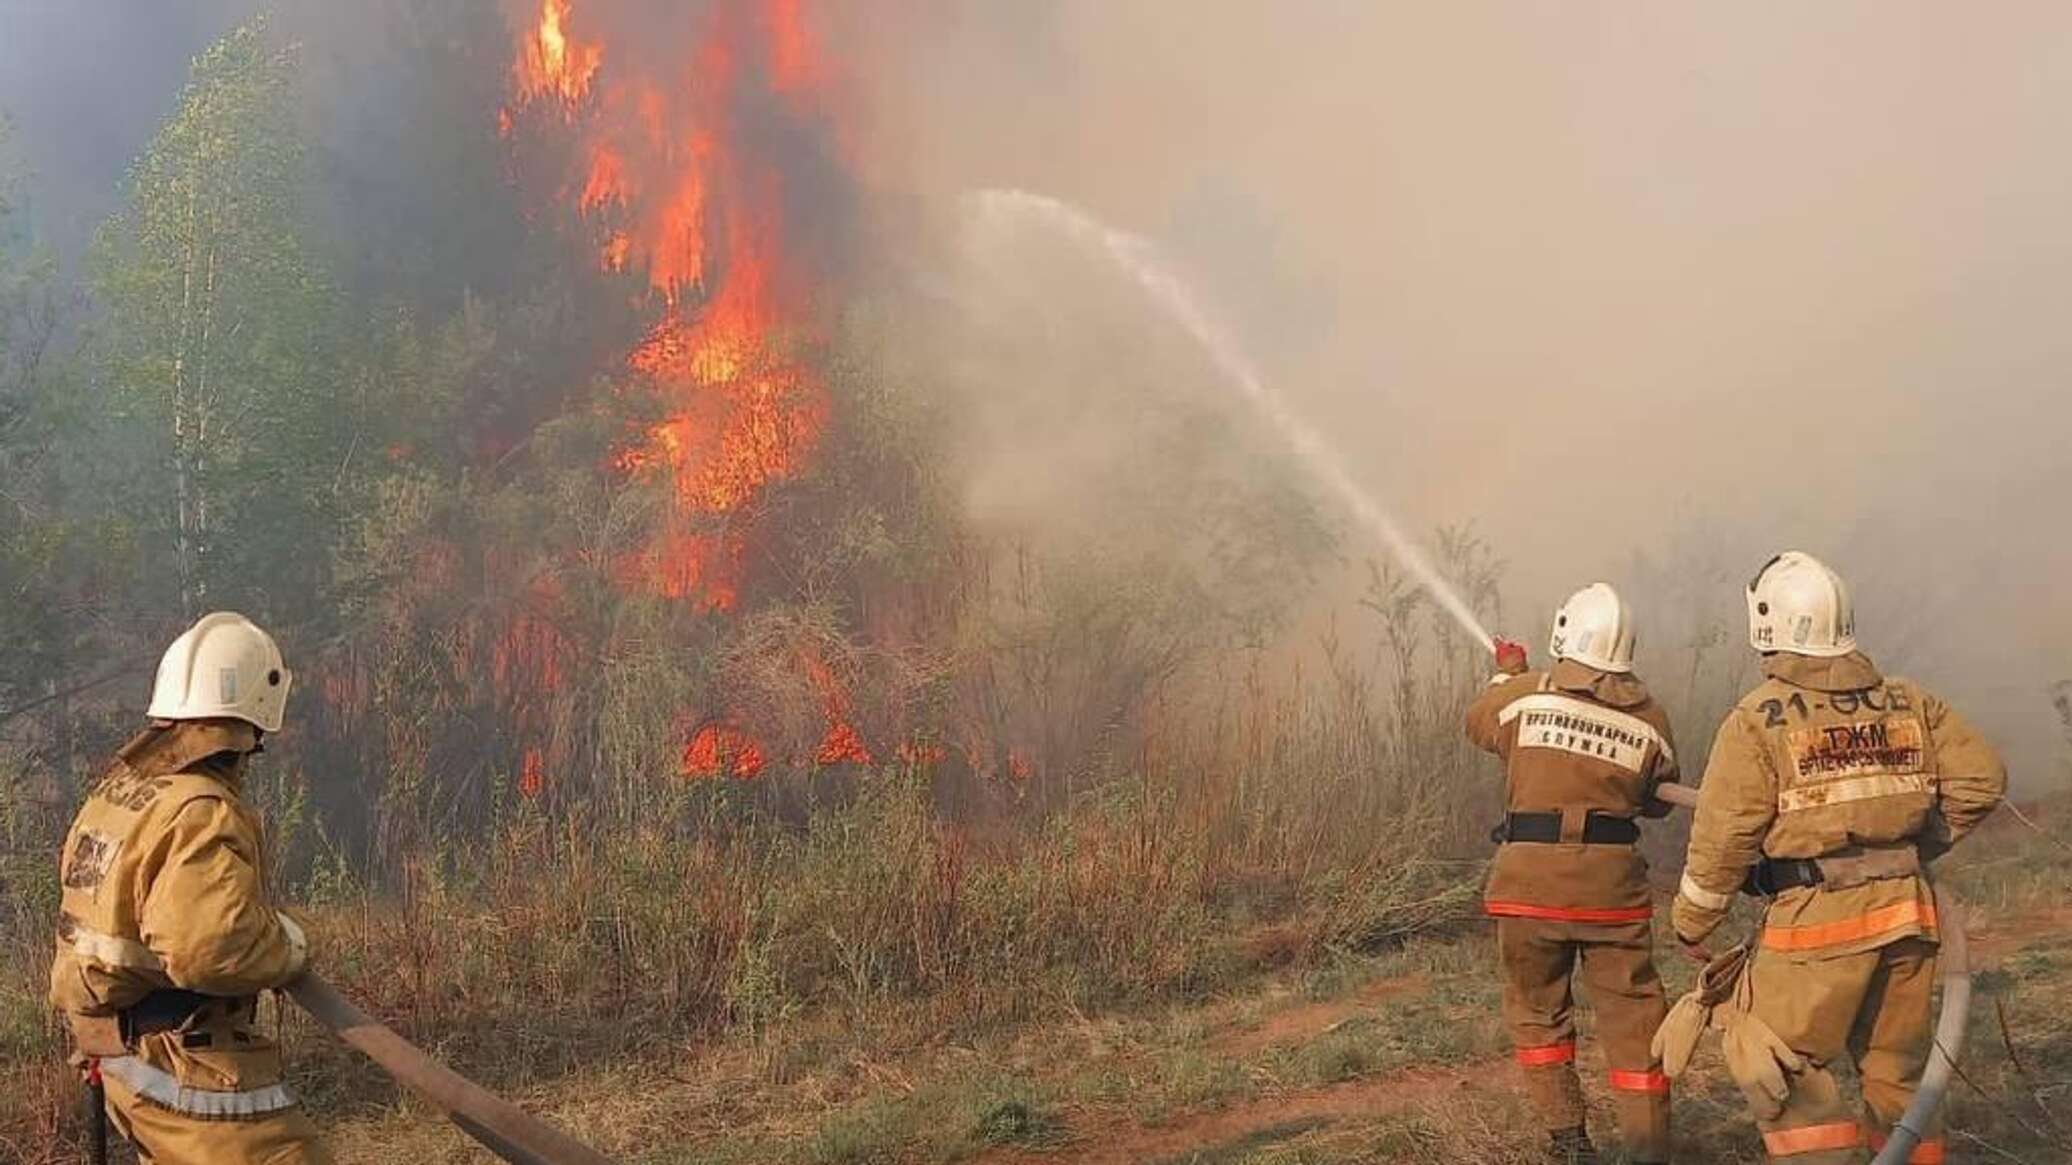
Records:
x=214, y=334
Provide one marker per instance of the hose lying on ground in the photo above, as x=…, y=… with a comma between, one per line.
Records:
x=1954, y=965
x=501, y=1127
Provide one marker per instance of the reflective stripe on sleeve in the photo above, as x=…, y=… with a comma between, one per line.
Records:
x=298, y=943
x=1823, y=793
x=112, y=951
x=1625, y=1081
x=1700, y=897
x=162, y=1089
x=1499, y=909
x=1813, y=1139
x=1561, y=1053
x=1849, y=930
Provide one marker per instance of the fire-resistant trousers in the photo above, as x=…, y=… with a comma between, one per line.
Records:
x=211, y=1095
x=165, y=1137
x=1615, y=961
x=1877, y=1007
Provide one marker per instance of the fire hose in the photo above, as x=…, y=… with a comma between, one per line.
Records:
x=1954, y=966
x=501, y=1127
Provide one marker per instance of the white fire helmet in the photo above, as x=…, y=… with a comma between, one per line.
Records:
x=223, y=666
x=1595, y=628
x=1797, y=605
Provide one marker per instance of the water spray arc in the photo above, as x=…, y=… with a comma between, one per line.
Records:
x=1141, y=261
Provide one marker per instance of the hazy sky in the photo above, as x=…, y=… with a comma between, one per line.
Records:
x=1704, y=280
x=1697, y=280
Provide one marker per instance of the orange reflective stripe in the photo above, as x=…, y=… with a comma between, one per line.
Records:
x=1928, y=1152
x=1846, y=930
x=1626, y=1081
x=1813, y=1139
x=1546, y=1054
x=1569, y=913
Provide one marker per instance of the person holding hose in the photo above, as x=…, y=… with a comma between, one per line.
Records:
x=166, y=935
x=1584, y=747
x=1830, y=788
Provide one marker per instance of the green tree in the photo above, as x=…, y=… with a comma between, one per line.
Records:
x=217, y=343
x=32, y=536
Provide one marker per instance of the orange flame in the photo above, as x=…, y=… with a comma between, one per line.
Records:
x=842, y=743
x=722, y=748
x=549, y=63
x=678, y=195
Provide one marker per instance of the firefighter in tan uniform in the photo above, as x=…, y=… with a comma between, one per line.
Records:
x=1829, y=788
x=166, y=936
x=1584, y=747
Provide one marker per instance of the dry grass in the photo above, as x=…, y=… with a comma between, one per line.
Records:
x=1244, y=1075
x=1252, y=946
x=819, y=927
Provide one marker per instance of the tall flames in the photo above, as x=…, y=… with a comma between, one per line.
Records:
x=677, y=195
x=677, y=192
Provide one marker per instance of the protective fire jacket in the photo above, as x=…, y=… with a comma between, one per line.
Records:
x=1574, y=740
x=1830, y=760
x=162, y=884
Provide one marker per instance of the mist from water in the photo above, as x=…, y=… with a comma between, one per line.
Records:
x=1137, y=257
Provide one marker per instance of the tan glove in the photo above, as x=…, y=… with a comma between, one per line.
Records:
x=1760, y=1062
x=1677, y=1038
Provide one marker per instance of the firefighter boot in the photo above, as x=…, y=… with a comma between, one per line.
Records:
x=1571, y=1147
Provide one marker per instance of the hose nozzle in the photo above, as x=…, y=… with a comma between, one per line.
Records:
x=1510, y=656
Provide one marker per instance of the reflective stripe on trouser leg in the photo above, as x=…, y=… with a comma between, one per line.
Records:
x=1816, y=1126
x=1830, y=1141
x=1893, y=1033
x=1811, y=1005
x=1620, y=982
x=1536, y=961
x=165, y=1137
x=1929, y=1152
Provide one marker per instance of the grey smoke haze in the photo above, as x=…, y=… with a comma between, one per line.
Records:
x=87, y=83
x=1694, y=283
x=1677, y=282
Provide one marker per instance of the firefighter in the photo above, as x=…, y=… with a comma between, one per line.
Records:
x=1830, y=788
x=1584, y=747
x=166, y=936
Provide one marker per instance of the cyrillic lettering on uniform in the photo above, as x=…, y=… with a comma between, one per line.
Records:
x=1552, y=720
x=1836, y=764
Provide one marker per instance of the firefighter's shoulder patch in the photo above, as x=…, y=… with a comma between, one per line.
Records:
x=86, y=862
x=1858, y=749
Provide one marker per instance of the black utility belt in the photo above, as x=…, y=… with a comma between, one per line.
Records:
x=165, y=1010
x=1772, y=876
x=1840, y=870
x=1599, y=828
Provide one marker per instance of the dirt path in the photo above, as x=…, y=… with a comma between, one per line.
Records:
x=1304, y=1022
x=1231, y=1132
